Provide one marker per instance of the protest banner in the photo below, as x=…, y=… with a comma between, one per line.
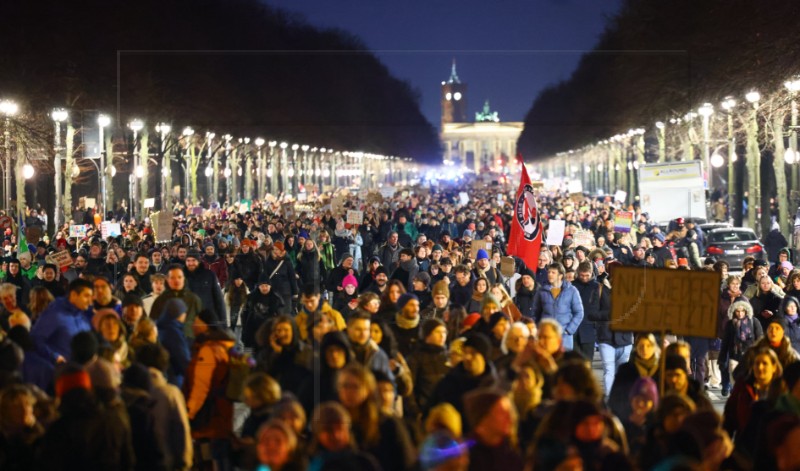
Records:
x=476, y=245
x=162, y=225
x=355, y=217
x=623, y=220
x=78, y=230
x=555, y=232
x=60, y=259
x=337, y=206
x=110, y=229
x=584, y=238
x=681, y=302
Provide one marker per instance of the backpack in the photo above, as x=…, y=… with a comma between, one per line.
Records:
x=240, y=364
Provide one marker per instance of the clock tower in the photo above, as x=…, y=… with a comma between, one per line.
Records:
x=454, y=99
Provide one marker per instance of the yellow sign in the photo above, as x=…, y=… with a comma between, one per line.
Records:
x=653, y=300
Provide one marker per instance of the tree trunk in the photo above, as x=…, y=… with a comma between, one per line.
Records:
x=69, y=164
x=753, y=162
x=108, y=177
x=144, y=161
x=194, y=164
x=781, y=198
x=20, y=180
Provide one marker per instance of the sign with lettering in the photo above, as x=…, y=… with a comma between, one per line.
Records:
x=149, y=203
x=78, y=230
x=584, y=238
x=61, y=259
x=355, y=217
x=162, y=225
x=681, y=302
x=110, y=229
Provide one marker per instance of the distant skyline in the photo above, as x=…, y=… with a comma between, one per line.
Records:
x=506, y=51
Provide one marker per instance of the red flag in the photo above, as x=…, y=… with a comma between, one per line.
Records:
x=525, y=240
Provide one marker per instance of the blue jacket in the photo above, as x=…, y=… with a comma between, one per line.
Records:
x=567, y=309
x=171, y=336
x=56, y=326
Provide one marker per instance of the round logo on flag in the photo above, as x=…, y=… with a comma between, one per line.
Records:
x=527, y=214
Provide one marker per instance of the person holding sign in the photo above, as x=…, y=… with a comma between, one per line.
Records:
x=560, y=300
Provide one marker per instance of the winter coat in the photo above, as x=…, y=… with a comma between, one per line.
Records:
x=204, y=283
x=405, y=273
x=590, y=299
x=389, y=256
x=407, y=339
x=171, y=335
x=725, y=302
x=626, y=376
x=428, y=365
x=205, y=384
x=461, y=295
x=248, y=266
x=567, y=309
x=57, y=324
x=457, y=383
x=284, y=280
x=193, y=305
x=172, y=423
x=603, y=327
x=336, y=276
x=342, y=302
x=259, y=309
x=303, y=316
x=308, y=267
x=290, y=366
x=146, y=443
x=341, y=242
x=524, y=301
x=731, y=348
x=761, y=302
x=218, y=267
x=373, y=358
x=773, y=243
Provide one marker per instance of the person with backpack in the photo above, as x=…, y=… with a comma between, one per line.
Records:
x=210, y=409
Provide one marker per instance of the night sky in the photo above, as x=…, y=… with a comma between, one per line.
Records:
x=506, y=50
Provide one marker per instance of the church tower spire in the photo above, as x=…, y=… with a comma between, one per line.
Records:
x=454, y=98
x=453, y=74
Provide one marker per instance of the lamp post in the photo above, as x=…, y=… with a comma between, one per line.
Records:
x=8, y=108
x=282, y=166
x=662, y=144
x=227, y=172
x=163, y=130
x=706, y=111
x=214, y=165
x=728, y=104
x=187, y=133
x=273, y=176
x=753, y=160
x=793, y=86
x=60, y=115
x=103, y=121
x=261, y=180
x=136, y=126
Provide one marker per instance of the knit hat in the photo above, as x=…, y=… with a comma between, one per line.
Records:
x=72, y=377
x=349, y=280
x=381, y=270
x=471, y=319
x=481, y=255
x=676, y=362
x=428, y=326
x=374, y=258
x=479, y=402
x=404, y=299
x=344, y=257
x=480, y=343
x=780, y=320
x=208, y=316
x=208, y=244
x=495, y=318
x=760, y=263
x=194, y=254
x=83, y=347
x=441, y=287
x=132, y=300
x=488, y=298
x=303, y=234
x=437, y=247
x=174, y=308
x=787, y=264
x=424, y=277
x=645, y=387
x=659, y=236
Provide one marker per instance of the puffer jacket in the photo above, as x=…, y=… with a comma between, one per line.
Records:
x=567, y=309
x=524, y=301
x=205, y=381
x=308, y=268
x=792, y=325
x=733, y=348
x=302, y=319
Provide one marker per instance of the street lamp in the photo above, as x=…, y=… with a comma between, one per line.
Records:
x=753, y=159
x=187, y=133
x=28, y=171
x=9, y=109
x=706, y=111
x=136, y=126
x=793, y=86
x=103, y=121
x=59, y=115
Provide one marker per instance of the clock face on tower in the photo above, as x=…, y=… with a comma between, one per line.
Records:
x=457, y=96
x=448, y=96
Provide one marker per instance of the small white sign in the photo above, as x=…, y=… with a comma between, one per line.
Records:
x=620, y=196
x=555, y=232
x=90, y=202
x=149, y=203
x=355, y=217
x=574, y=186
x=463, y=198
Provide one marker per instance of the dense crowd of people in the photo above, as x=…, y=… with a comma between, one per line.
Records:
x=269, y=339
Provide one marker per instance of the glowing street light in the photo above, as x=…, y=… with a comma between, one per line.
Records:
x=27, y=171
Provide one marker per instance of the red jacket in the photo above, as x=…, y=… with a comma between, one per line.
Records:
x=219, y=268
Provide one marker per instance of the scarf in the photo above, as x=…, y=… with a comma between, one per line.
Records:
x=404, y=323
x=744, y=330
x=646, y=367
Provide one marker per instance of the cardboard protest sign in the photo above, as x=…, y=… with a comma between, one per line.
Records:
x=681, y=302
x=623, y=220
x=61, y=259
x=476, y=245
x=90, y=203
x=555, y=232
x=337, y=206
x=78, y=230
x=507, y=266
x=355, y=217
x=584, y=238
x=149, y=203
x=302, y=196
x=288, y=210
x=568, y=209
x=374, y=197
x=162, y=225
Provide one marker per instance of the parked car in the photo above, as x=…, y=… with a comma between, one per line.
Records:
x=733, y=244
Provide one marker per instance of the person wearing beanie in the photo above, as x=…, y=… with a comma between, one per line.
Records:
x=204, y=283
x=422, y=290
x=493, y=447
x=428, y=365
x=178, y=288
x=678, y=380
x=484, y=269
x=379, y=282
x=440, y=297
x=406, y=324
x=335, y=278
x=171, y=335
x=560, y=300
x=346, y=301
x=474, y=371
x=407, y=269
x=310, y=302
x=644, y=402
x=214, y=263
x=498, y=325
x=370, y=270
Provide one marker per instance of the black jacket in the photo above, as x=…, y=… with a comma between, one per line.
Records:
x=457, y=383
x=590, y=297
x=258, y=309
x=524, y=301
x=603, y=325
x=428, y=365
x=248, y=267
x=308, y=267
x=203, y=282
x=284, y=279
x=460, y=295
